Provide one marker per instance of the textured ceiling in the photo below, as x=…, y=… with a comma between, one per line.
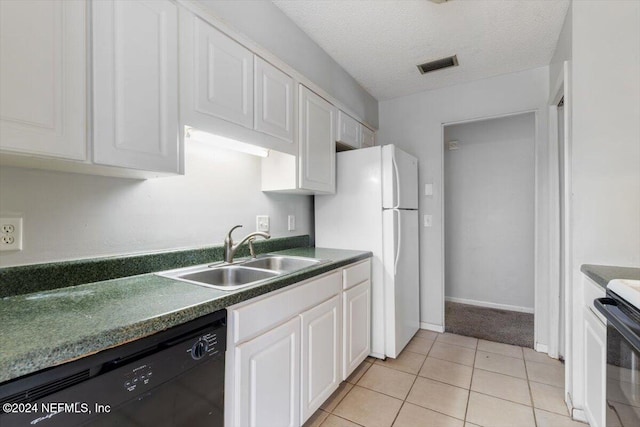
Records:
x=380, y=42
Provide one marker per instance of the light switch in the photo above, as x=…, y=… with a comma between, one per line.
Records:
x=428, y=189
x=427, y=220
x=291, y=222
x=262, y=223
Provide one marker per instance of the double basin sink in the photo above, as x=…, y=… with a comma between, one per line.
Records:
x=241, y=274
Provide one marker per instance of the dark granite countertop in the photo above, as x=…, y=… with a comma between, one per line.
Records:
x=603, y=274
x=48, y=328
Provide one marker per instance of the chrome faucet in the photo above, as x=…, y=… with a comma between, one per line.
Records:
x=230, y=249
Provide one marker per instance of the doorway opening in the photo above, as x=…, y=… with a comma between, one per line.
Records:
x=489, y=211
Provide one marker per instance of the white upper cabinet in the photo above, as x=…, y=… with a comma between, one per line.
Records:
x=317, y=155
x=42, y=78
x=222, y=76
x=135, y=84
x=348, y=130
x=227, y=90
x=106, y=87
x=368, y=137
x=273, y=101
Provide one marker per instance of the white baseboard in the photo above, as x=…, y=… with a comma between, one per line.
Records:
x=490, y=304
x=378, y=355
x=542, y=348
x=579, y=415
x=576, y=414
x=432, y=327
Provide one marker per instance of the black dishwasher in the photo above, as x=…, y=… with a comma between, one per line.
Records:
x=173, y=378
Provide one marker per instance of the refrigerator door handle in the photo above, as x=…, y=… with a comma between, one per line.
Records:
x=399, y=242
x=397, y=174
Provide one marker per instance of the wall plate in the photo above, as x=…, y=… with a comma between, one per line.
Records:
x=10, y=234
x=262, y=223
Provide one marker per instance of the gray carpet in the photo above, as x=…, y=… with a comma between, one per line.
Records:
x=509, y=327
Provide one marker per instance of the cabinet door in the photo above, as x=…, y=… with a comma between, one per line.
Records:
x=267, y=378
x=368, y=137
x=321, y=354
x=42, y=78
x=135, y=87
x=273, y=101
x=223, y=76
x=348, y=130
x=357, y=330
x=317, y=143
x=595, y=369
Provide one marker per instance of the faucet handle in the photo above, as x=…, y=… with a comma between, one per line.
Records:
x=231, y=231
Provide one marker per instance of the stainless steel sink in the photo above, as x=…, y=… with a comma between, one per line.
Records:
x=281, y=263
x=242, y=274
x=230, y=277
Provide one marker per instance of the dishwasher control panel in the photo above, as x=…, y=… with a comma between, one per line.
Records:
x=138, y=376
x=206, y=345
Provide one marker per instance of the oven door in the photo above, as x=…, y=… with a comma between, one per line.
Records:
x=623, y=361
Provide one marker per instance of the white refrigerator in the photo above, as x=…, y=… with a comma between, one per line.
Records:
x=375, y=208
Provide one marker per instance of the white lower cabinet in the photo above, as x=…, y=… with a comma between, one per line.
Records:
x=321, y=349
x=357, y=326
x=285, y=350
x=595, y=369
x=268, y=379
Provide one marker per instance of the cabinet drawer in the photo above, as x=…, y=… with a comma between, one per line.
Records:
x=355, y=274
x=260, y=316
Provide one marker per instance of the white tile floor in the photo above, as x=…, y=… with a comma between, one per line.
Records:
x=447, y=380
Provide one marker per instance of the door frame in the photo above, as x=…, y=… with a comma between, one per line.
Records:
x=557, y=223
x=562, y=89
x=539, y=222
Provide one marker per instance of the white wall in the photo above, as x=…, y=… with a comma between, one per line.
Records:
x=605, y=144
x=70, y=216
x=606, y=133
x=489, y=212
x=268, y=26
x=562, y=53
x=415, y=123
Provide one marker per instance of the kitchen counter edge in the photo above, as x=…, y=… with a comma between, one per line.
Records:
x=15, y=364
x=603, y=274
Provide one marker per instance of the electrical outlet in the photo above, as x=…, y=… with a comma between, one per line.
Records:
x=262, y=223
x=291, y=221
x=10, y=234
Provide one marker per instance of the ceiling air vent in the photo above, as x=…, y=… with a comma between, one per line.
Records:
x=438, y=64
